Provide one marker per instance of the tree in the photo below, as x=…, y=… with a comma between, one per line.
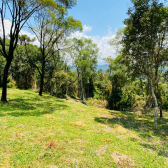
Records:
x=51, y=31
x=118, y=79
x=144, y=41
x=85, y=61
x=21, y=69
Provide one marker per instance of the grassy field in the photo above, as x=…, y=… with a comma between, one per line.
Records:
x=46, y=132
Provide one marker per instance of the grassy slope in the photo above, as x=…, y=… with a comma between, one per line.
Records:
x=49, y=132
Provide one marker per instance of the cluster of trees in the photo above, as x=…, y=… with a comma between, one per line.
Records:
x=139, y=70
x=51, y=29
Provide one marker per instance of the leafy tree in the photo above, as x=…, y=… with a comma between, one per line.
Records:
x=102, y=84
x=22, y=71
x=51, y=31
x=118, y=79
x=86, y=53
x=144, y=40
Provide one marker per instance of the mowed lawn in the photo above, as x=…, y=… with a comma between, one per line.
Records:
x=46, y=132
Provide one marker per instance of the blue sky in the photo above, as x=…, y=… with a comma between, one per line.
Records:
x=101, y=15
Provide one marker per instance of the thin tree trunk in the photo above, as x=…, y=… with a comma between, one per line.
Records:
x=42, y=80
x=5, y=76
x=67, y=92
x=82, y=91
x=52, y=88
x=156, y=104
x=160, y=102
x=161, y=114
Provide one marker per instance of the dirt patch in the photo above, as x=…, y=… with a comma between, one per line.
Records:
x=106, y=140
x=78, y=123
x=80, y=140
x=53, y=166
x=122, y=136
x=122, y=160
x=101, y=151
x=52, y=144
x=70, y=160
x=64, y=111
x=108, y=129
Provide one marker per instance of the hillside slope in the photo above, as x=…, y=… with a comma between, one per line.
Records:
x=39, y=132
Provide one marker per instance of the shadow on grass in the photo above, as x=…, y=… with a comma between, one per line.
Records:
x=153, y=147
x=141, y=124
x=30, y=107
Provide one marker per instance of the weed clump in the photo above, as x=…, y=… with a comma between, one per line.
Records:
x=78, y=123
x=51, y=144
x=139, y=104
x=120, y=129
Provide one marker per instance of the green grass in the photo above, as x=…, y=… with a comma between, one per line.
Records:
x=37, y=132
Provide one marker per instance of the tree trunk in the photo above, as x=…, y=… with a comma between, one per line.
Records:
x=82, y=91
x=42, y=80
x=5, y=77
x=52, y=88
x=161, y=114
x=160, y=105
x=156, y=104
x=66, y=91
x=160, y=102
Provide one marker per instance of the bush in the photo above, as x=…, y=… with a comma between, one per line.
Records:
x=97, y=102
x=10, y=85
x=139, y=104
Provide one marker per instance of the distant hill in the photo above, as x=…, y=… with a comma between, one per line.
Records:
x=103, y=67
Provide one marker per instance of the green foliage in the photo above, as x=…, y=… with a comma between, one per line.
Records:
x=118, y=79
x=85, y=61
x=97, y=102
x=10, y=85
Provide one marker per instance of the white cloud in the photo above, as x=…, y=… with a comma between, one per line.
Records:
x=8, y=23
x=102, y=42
x=87, y=28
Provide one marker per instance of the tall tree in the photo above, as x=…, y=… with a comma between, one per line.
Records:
x=144, y=40
x=51, y=31
x=86, y=54
x=118, y=79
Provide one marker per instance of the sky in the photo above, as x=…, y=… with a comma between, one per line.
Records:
x=100, y=20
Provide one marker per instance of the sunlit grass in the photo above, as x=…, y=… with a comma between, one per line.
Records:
x=49, y=132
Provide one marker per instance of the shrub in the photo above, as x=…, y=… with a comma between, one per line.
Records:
x=97, y=102
x=10, y=85
x=139, y=104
